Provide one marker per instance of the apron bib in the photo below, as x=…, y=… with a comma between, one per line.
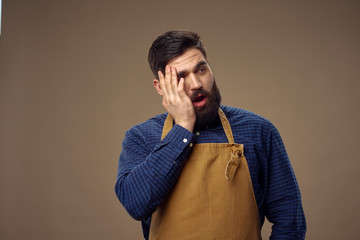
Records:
x=213, y=198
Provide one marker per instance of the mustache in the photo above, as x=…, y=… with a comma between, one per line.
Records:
x=197, y=92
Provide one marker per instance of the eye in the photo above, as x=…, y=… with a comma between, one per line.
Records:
x=180, y=76
x=202, y=69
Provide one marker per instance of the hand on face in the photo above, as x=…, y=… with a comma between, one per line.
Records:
x=175, y=100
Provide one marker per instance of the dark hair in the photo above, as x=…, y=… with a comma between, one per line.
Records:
x=170, y=45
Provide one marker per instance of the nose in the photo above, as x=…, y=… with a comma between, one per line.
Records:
x=194, y=82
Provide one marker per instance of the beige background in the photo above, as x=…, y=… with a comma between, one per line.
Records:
x=74, y=78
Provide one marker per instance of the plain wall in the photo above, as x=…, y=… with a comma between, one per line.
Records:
x=74, y=77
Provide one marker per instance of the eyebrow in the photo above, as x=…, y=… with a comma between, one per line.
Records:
x=201, y=63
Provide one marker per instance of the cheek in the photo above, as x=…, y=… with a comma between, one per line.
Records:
x=208, y=83
x=187, y=88
x=188, y=92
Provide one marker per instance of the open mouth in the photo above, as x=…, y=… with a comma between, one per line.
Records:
x=199, y=100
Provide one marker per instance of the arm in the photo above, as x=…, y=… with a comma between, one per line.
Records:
x=145, y=177
x=283, y=205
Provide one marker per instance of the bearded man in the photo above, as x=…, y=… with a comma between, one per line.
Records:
x=202, y=170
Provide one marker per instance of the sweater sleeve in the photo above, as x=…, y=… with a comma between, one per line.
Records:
x=146, y=176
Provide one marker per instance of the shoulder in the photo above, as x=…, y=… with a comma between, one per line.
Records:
x=238, y=116
x=251, y=128
x=150, y=128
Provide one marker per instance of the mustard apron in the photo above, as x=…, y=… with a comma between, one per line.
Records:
x=213, y=197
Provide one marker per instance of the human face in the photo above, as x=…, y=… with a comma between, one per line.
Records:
x=199, y=85
x=194, y=68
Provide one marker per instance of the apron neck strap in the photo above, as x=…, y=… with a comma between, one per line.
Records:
x=167, y=126
x=226, y=125
x=224, y=121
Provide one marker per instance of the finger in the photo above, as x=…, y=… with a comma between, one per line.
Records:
x=167, y=80
x=174, y=79
x=160, y=74
x=168, y=84
x=180, y=88
x=162, y=82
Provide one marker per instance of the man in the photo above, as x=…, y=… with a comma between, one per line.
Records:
x=204, y=171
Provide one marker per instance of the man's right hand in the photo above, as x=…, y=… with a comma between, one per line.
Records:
x=175, y=99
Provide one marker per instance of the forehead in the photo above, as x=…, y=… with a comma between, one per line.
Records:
x=187, y=60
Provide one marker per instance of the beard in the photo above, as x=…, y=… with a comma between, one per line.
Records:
x=208, y=115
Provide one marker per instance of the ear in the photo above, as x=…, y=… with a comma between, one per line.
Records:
x=157, y=86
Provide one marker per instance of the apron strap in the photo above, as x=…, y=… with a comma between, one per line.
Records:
x=167, y=126
x=226, y=125
x=237, y=150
